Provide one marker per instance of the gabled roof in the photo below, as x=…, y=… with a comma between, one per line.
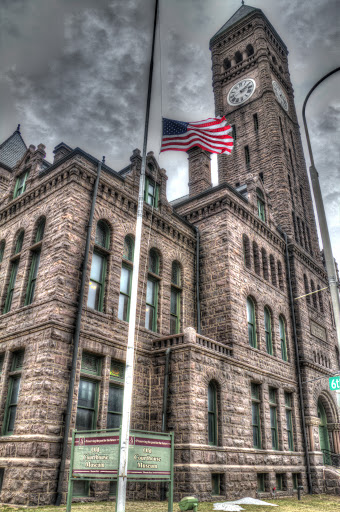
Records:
x=12, y=149
x=241, y=13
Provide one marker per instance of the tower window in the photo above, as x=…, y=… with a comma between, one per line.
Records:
x=250, y=50
x=256, y=122
x=282, y=330
x=247, y=155
x=283, y=137
x=226, y=64
x=233, y=127
x=238, y=57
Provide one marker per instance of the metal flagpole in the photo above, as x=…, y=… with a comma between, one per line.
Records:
x=124, y=446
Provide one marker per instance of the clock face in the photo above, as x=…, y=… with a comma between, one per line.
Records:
x=241, y=91
x=280, y=95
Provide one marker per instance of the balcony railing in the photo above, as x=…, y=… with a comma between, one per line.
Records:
x=191, y=337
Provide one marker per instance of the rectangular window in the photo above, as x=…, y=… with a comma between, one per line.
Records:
x=125, y=293
x=115, y=406
x=283, y=137
x=32, y=277
x=11, y=284
x=261, y=486
x=256, y=123
x=295, y=481
x=116, y=393
x=289, y=420
x=81, y=488
x=247, y=154
x=13, y=393
x=255, y=405
x=175, y=310
x=113, y=488
x=95, y=298
x=151, y=304
x=2, y=473
x=88, y=393
x=233, y=127
x=279, y=482
x=2, y=357
x=20, y=184
x=151, y=192
x=273, y=418
x=215, y=484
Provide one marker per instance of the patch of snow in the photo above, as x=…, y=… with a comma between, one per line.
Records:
x=249, y=501
x=227, y=507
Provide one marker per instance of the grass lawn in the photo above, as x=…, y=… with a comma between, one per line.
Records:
x=316, y=503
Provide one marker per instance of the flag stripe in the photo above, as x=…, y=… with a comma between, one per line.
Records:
x=210, y=134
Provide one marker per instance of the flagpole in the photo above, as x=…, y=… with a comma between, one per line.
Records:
x=125, y=431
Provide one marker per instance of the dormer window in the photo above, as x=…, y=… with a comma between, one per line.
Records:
x=151, y=192
x=20, y=184
x=260, y=204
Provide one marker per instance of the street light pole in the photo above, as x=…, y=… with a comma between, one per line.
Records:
x=327, y=248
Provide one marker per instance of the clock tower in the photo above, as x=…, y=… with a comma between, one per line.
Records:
x=252, y=88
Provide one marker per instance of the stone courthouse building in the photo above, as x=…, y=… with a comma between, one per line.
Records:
x=247, y=365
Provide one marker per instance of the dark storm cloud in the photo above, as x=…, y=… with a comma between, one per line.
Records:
x=311, y=22
x=95, y=84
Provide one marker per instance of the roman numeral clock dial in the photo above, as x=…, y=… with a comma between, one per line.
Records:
x=241, y=91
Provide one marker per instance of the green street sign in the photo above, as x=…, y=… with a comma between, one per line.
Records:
x=334, y=383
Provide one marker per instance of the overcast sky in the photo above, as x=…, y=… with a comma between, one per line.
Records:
x=76, y=71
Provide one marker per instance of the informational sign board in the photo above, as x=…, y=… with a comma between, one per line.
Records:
x=149, y=456
x=334, y=383
x=95, y=456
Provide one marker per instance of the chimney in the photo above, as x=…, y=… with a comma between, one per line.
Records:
x=199, y=171
x=60, y=151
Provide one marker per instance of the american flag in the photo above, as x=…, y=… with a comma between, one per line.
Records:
x=210, y=134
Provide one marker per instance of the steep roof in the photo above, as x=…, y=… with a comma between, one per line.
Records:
x=12, y=149
x=241, y=13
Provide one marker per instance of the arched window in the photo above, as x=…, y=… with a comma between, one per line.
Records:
x=13, y=271
x=175, y=299
x=226, y=64
x=238, y=57
x=268, y=330
x=280, y=274
x=35, y=255
x=312, y=286
x=152, y=292
x=306, y=288
x=126, y=279
x=260, y=204
x=95, y=297
x=251, y=323
x=2, y=250
x=249, y=50
x=272, y=270
x=256, y=258
x=212, y=414
x=264, y=264
x=319, y=294
x=246, y=251
x=283, y=340
x=331, y=313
